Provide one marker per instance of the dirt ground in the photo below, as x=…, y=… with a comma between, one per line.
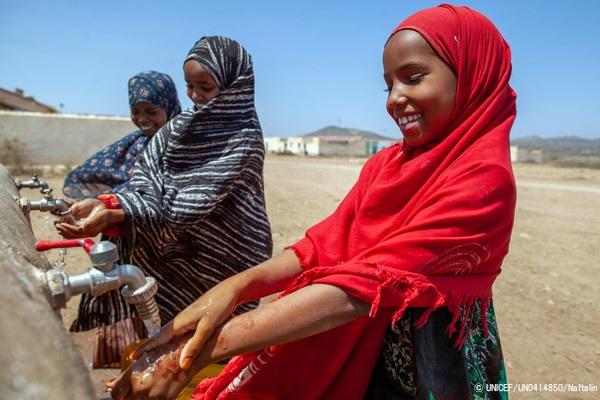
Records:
x=548, y=312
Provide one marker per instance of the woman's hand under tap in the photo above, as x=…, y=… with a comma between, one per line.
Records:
x=88, y=218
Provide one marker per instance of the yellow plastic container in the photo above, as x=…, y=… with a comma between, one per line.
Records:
x=211, y=371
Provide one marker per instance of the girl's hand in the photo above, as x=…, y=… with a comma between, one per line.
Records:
x=88, y=218
x=202, y=318
x=156, y=375
x=207, y=314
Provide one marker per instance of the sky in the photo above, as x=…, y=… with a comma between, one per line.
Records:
x=317, y=62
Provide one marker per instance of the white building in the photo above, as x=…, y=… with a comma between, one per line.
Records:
x=519, y=154
x=330, y=141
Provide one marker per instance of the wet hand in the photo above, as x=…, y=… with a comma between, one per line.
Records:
x=155, y=375
x=87, y=219
x=202, y=318
x=84, y=208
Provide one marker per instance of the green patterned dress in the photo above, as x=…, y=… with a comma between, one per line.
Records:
x=424, y=363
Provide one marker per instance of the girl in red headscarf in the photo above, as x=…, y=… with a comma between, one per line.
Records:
x=390, y=296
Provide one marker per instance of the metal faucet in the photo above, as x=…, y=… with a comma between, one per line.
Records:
x=33, y=183
x=105, y=275
x=48, y=203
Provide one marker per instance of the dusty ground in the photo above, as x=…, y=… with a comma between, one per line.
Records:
x=548, y=310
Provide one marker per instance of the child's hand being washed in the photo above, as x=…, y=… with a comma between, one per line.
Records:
x=155, y=375
x=198, y=322
x=88, y=218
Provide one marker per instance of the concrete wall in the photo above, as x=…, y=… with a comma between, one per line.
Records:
x=60, y=139
x=341, y=148
x=38, y=358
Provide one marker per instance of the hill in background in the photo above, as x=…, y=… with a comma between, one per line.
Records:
x=565, y=148
x=333, y=130
x=561, y=148
x=553, y=148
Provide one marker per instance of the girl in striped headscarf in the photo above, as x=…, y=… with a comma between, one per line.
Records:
x=196, y=211
x=153, y=101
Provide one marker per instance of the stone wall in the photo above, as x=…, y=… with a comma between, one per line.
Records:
x=38, y=358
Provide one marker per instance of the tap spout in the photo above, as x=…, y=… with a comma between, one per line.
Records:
x=33, y=183
x=138, y=289
x=104, y=276
x=48, y=203
x=54, y=206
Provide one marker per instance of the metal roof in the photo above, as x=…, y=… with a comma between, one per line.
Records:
x=17, y=102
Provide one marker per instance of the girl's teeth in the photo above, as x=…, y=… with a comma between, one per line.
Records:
x=406, y=119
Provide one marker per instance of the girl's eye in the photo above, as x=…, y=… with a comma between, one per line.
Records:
x=387, y=89
x=414, y=79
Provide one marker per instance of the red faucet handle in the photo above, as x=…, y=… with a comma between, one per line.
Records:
x=44, y=245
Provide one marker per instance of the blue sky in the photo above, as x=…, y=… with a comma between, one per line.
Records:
x=317, y=62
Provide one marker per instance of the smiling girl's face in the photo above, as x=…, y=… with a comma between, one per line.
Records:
x=148, y=117
x=201, y=87
x=421, y=88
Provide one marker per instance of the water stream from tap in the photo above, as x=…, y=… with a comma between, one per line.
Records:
x=153, y=326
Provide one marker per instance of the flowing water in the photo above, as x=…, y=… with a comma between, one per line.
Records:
x=153, y=326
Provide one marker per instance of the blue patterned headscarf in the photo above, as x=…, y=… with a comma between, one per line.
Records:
x=109, y=170
x=156, y=88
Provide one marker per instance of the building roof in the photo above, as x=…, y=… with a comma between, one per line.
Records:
x=16, y=101
x=337, y=131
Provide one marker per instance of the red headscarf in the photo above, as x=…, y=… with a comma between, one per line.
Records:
x=422, y=227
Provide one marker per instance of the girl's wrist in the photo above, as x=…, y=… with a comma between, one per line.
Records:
x=114, y=223
x=116, y=216
x=110, y=201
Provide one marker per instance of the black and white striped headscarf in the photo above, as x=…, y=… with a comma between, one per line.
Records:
x=196, y=211
x=225, y=60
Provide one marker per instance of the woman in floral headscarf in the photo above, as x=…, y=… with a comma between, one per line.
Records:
x=153, y=101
